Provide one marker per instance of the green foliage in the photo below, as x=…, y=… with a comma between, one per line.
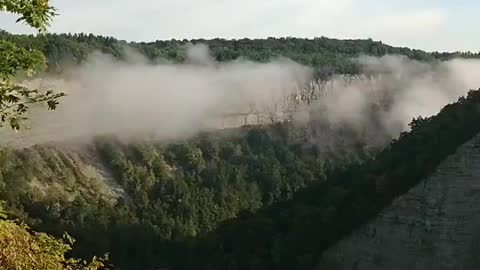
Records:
x=255, y=198
x=326, y=55
x=249, y=199
x=36, y=13
x=293, y=234
x=185, y=189
x=20, y=248
x=16, y=99
x=172, y=192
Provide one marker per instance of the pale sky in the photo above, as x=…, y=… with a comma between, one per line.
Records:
x=444, y=25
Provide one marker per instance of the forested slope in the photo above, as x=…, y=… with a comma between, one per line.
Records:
x=267, y=188
x=144, y=201
x=435, y=225
x=294, y=233
x=154, y=204
x=327, y=55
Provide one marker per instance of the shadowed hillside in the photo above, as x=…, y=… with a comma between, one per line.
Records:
x=271, y=196
x=435, y=225
x=150, y=196
x=293, y=234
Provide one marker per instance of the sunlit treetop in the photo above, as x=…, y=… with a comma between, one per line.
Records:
x=20, y=248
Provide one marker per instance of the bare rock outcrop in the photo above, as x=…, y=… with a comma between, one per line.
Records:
x=436, y=225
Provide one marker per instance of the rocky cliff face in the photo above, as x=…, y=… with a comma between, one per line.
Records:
x=436, y=225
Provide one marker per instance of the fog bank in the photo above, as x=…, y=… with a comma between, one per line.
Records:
x=136, y=98
x=377, y=106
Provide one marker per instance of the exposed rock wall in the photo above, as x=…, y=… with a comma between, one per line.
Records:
x=435, y=226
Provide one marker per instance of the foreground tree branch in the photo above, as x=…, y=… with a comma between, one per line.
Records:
x=15, y=100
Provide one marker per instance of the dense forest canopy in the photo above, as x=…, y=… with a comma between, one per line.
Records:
x=255, y=197
x=327, y=55
x=169, y=192
x=293, y=234
x=20, y=247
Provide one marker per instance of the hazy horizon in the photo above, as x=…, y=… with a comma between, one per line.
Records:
x=429, y=25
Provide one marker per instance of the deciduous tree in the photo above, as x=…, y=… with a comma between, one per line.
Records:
x=16, y=99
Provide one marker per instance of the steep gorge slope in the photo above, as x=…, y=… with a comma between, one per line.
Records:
x=436, y=225
x=294, y=234
x=152, y=196
x=55, y=172
x=182, y=191
x=147, y=203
